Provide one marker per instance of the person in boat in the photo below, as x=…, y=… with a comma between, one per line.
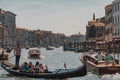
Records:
x=107, y=58
x=20, y=68
x=41, y=68
x=37, y=67
x=25, y=67
x=17, y=53
x=91, y=51
x=31, y=66
x=111, y=55
x=46, y=68
x=99, y=56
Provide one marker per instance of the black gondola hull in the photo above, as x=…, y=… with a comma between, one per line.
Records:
x=58, y=74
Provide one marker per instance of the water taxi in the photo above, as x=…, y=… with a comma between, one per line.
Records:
x=34, y=53
x=100, y=67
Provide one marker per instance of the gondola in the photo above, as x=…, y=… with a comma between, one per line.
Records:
x=57, y=74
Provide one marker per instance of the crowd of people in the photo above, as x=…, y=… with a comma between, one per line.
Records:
x=37, y=68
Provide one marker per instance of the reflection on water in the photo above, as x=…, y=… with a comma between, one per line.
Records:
x=55, y=59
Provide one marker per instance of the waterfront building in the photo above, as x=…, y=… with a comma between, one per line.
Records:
x=3, y=36
x=116, y=18
x=32, y=38
x=74, y=40
x=21, y=36
x=59, y=38
x=77, y=38
x=95, y=29
x=54, y=39
x=108, y=23
x=8, y=19
x=43, y=38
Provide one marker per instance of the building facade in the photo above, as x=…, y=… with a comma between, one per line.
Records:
x=43, y=38
x=95, y=29
x=116, y=18
x=3, y=36
x=59, y=39
x=22, y=36
x=32, y=38
x=8, y=19
x=76, y=38
x=108, y=23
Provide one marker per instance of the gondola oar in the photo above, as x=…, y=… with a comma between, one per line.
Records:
x=11, y=56
x=1, y=61
x=7, y=59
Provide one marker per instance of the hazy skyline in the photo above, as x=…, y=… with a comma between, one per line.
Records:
x=59, y=16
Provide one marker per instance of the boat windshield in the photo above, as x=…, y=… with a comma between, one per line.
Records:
x=33, y=51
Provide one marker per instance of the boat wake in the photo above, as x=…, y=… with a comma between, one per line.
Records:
x=111, y=76
x=42, y=56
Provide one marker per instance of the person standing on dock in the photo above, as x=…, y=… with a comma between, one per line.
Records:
x=17, y=53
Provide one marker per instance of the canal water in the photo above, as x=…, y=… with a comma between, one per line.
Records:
x=55, y=59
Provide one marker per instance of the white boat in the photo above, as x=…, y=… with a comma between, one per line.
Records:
x=34, y=53
x=49, y=48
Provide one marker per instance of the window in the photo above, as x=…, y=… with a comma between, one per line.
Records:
x=115, y=31
x=118, y=30
x=118, y=18
x=113, y=20
x=118, y=7
x=115, y=8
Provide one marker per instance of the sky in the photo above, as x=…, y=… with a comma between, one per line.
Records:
x=59, y=16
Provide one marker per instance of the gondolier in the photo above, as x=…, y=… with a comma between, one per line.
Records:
x=17, y=53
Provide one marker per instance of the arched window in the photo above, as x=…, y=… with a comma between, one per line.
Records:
x=118, y=7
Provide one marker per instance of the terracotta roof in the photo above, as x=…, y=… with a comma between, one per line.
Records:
x=99, y=24
x=95, y=22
